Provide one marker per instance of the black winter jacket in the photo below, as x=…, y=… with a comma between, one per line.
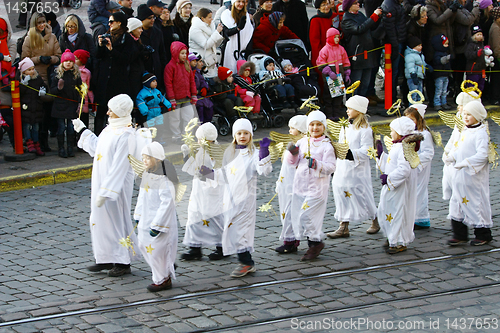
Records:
x=439, y=52
x=31, y=103
x=357, y=39
x=395, y=22
x=66, y=104
x=155, y=62
x=84, y=41
x=474, y=62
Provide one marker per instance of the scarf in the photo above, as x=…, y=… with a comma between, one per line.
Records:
x=72, y=38
x=120, y=122
x=135, y=38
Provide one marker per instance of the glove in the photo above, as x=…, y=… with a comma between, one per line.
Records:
x=185, y=150
x=313, y=164
x=414, y=78
x=203, y=92
x=207, y=172
x=292, y=148
x=445, y=59
x=264, y=148
x=153, y=232
x=7, y=58
x=242, y=22
x=45, y=60
x=78, y=125
x=349, y=155
x=383, y=179
x=479, y=52
x=250, y=93
x=487, y=50
x=455, y=6
x=194, y=99
x=174, y=104
x=100, y=201
x=328, y=71
x=461, y=165
x=380, y=148
x=26, y=79
x=42, y=92
x=60, y=84
x=347, y=74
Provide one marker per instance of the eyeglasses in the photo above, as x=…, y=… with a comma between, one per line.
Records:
x=111, y=21
x=72, y=27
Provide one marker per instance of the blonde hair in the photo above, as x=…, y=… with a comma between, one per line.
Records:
x=72, y=19
x=36, y=38
x=60, y=71
x=361, y=121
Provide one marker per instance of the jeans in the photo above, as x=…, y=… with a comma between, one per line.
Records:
x=65, y=125
x=441, y=92
x=30, y=131
x=413, y=86
x=285, y=90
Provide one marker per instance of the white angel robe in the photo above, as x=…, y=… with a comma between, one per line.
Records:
x=284, y=188
x=238, y=42
x=240, y=198
x=425, y=153
x=352, y=180
x=449, y=169
x=470, y=199
x=113, y=178
x=155, y=209
x=205, y=221
x=310, y=186
x=397, y=207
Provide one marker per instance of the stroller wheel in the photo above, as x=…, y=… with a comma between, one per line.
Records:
x=254, y=126
x=224, y=129
x=278, y=121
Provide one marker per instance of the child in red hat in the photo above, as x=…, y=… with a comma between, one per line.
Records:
x=81, y=58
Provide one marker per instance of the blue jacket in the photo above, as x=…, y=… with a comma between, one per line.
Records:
x=414, y=63
x=148, y=101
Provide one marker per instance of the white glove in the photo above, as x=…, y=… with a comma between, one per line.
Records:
x=100, y=201
x=7, y=58
x=78, y=125
x=26, y=79
x=250, y=93
x=42, y=91
x=185, y=150
x=447, y=159
x=461, y=165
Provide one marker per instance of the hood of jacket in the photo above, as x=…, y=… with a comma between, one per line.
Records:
x=412, y=51
x=437, y=44
x=242, y=64
x=7, y=24
x=175, y=50
x=197, y=23
x=81, y=26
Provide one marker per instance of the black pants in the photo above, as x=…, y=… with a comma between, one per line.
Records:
x=461, y=232
x=246, y=258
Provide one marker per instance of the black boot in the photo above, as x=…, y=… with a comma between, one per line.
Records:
x=193, y=254
x=460, y=233
x=60, y=144
x=44, y=142
x=70, y=138
x=217, y=254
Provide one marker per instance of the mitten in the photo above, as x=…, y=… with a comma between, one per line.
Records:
x=42, y=92
x=45, y=59
x=60, y=84
x=380, y=148
x=207, y=172
x=250, y=93
x=174, y=104
x=479, y=52
x=383, y=179
x=429, y=68
x=26, y=79
x=203, y=92
x=447, y=159
x=7, y=58
x=264, y=148
x=194, y=99
x=242, y=22
x=347, y=74
x=292, y=148
x=313, y=164
x=414, y=78
x=153, y=232
x=349, y=156
x=445, y=59
x=100, y=201
x=185, y=150
x=328, y=71
x=78, y=125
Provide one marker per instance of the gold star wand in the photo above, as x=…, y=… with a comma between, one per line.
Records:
x=82, y=90
x=127, y=242
x=267, y=206
x=372, y=154
x=344, y=123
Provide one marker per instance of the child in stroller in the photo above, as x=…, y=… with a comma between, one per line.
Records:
x=274, y=81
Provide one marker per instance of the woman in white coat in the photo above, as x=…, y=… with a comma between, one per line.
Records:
x=204, y=39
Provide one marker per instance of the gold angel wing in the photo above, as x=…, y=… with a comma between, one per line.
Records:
x=496, y=119
x=382, y=130
x=180, y=189
x=436, y=137
x=493, y=154
x=451, y=120
x=341, y=149
x=216, y=152
x=285, y=138
x=137, y=165
x=410, y=154
x=334, y=128
x=388, y=142
x=276, y=150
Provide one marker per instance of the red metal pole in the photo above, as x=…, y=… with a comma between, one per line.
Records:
x=388, y=77
x=16, y=106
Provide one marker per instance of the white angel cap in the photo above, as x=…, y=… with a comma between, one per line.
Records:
x=206, y=131
x=358, y=103
x=420, y=108
x=464, y=98
x=403, y=126
x=121, y=105
x=476, y=109
x=242, y=124
x=154, y=149
x=316, y=116
x=299, y=122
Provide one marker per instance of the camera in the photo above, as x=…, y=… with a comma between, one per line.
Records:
x=104, y=36
x=149, y=48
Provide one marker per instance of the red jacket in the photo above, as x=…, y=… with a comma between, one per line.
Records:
x=179, y=83
x=317, y=34
x=266, y=35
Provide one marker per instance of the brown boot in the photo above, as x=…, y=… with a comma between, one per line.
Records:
x=342, y=231
x=374, y=228
x=313, y=252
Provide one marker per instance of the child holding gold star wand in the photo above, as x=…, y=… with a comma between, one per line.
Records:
x=314, y=158
x=155, y=211
x=352, y=181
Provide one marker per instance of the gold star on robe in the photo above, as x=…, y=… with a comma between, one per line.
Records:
x=283, y=215
x=233, y=170
x=281, y=179
x=388, y=160
x=146, y=188
x=347, y=194
x=389, y=218
x=465, y=201
x=456, y=144
x=305, y=206
x=149, y=249
x=99, y=156
x=205, y=222
x=230, y=224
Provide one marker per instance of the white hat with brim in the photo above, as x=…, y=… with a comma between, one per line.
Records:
x=154, y=149
x=476, y=109
x=403, y=126
x=299, y=122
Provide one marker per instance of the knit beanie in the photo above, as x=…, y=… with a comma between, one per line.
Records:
x=182, y=3
x=475, y=29
x=143, y=12
x=82, y=55
x=444, y=39
x=317, y=3
x=192, y=56
x=299, y=122
x=67, y=56
x=154, y=149
x=206, y=131
x=242, y=124
x=223, y=73
x=476, y=109
x=330, y=36
x=358, y=103
x=463, y=98
x=403, y=126
x=495, y=13
x=25, y=64
x=261, y=2
x=485, y=4
x=420, y=108
x=268, y=61
x=275, y=18
x=347, y=4
x=112, y=5
x=147, y=79
x=316, y=116
x=413, y=41
x=133, y=23
x=286, y=62
x=121, y=105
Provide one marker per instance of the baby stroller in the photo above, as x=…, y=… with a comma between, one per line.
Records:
x=270, y=107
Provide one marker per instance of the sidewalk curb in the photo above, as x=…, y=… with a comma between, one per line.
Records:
x=84, y=171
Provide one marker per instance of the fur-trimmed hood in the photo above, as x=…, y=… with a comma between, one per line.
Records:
x=242, y=64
